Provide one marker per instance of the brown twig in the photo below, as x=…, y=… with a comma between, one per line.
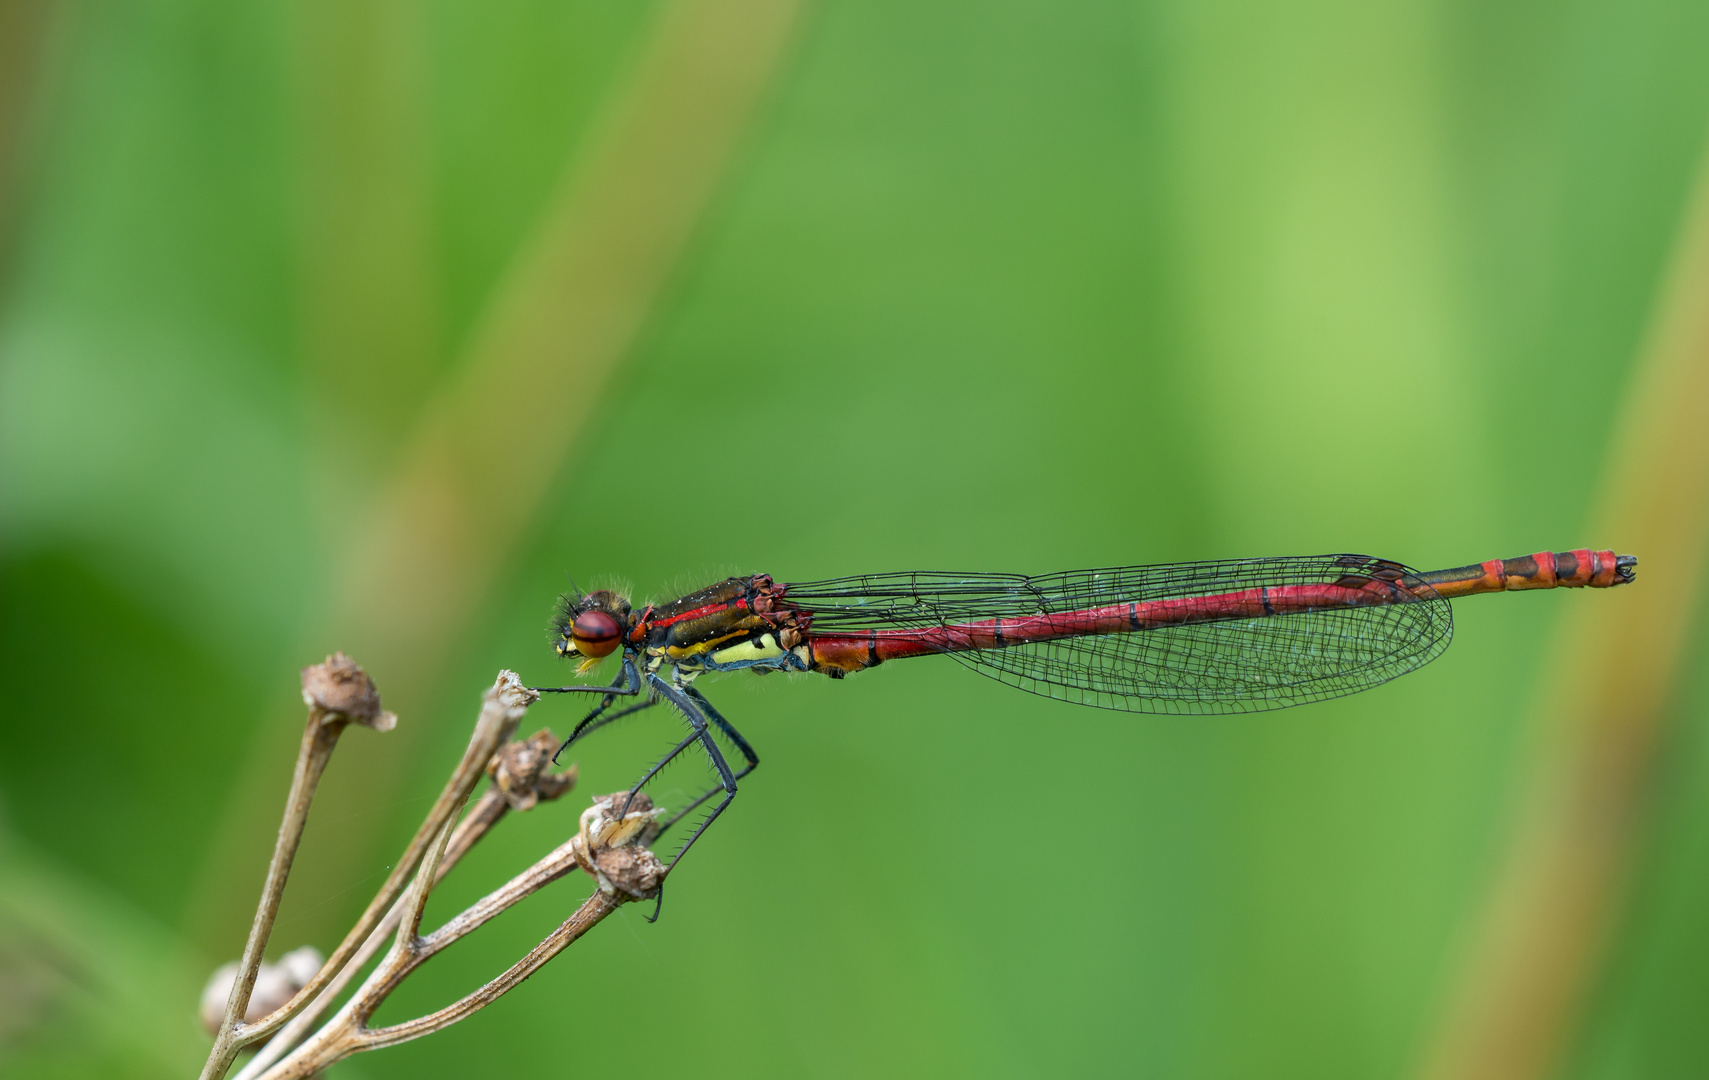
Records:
x=593, y=909
x=336, y=692
x=610, y=847
x=519, y=782
x=607, y=847
x=502, y=709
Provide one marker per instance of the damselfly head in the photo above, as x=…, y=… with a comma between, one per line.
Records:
x=590, y=626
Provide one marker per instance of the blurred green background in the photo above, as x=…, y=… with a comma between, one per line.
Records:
x=295, y=355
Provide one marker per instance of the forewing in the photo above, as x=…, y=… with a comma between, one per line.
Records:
x=1236, y=665
x=912, y=599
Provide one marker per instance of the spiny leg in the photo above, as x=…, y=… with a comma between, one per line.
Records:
x=693, y=738
x=630, y=674
x=728, y=729
x=628, y=684
x=734, y=736
x=610, y=696
x=691, y=708
x=584, y=729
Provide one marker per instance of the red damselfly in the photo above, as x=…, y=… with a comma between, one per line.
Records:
x=1238, y=635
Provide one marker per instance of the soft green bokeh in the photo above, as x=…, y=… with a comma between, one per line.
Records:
x=1008, y=286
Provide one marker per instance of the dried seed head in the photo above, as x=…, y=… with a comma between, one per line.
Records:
x=512, y=694
x=301, y=965
x=275, y=984
x=601, y=828
x=340, y=688
x=519, y=771
x=613, y=849
x=634, y=871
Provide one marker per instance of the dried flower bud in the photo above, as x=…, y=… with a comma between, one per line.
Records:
x=634, y=871
x=339, y=687
x=512, y=694
x=600, y=828
x=275, y=984
x=301, y=965
x=518, y=771
x=614, y=849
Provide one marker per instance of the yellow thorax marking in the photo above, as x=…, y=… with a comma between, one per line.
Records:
x=763, y=649
x=680, y=652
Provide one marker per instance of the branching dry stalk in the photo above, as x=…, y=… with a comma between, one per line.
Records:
x=336, y=692
x=519, y=783
x=610, y=849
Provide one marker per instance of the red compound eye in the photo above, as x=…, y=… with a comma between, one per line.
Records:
x=595, y=634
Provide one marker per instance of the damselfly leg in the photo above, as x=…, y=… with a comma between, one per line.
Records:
x=697, y=718
x=628, y=684
x=702, y=718
x=693, y=708
x=588, y=727
x=735, y=737
x=658, y=766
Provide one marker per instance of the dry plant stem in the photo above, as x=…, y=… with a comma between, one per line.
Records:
x=320, y=736
x=346, y=1033
x=415, y=901
x=488, y=810
x=520, y=781
x=496, y=725
x=472, y=475
x=560, y=861
x=593, y=909
x=501, y=711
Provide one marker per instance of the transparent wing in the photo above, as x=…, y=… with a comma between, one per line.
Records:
x=1209, y=662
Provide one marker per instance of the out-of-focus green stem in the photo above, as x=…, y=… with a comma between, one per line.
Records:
x=479, y=457
x=1600, y=714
